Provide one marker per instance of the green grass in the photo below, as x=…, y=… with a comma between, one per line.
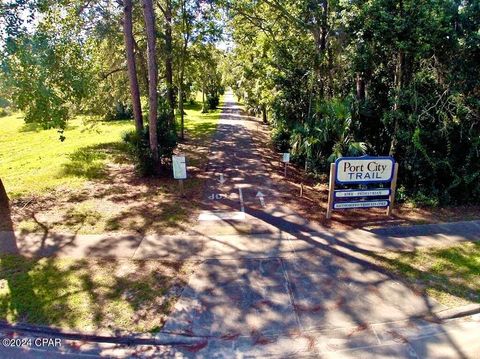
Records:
x=199, y=125
x=89, y=294
x=33, y=160
x=451, y=275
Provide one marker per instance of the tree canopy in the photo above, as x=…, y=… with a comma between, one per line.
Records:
x=332, y=77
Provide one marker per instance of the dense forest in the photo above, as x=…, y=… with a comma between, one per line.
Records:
x=377, y=77
x=332, y=78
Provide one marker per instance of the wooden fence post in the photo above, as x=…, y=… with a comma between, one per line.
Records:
x=393, y=188
x=331, y=189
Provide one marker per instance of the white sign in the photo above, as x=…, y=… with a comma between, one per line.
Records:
x=261, y=196
x=179, y=167
x=362, y=204
x=286, y=157
x=362, y=193
x=364, y=169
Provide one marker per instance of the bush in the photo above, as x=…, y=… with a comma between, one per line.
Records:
x=4, y=112
x=138, y=147
x=119, y=111
x=281, y=139
x=212, y=101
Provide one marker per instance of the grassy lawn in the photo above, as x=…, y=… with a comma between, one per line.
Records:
x=451, y=275
x=90, y=294
x=33, y=160
x=88, y=185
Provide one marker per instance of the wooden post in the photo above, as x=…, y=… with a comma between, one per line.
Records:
x=301, y=189
x=331, y=189
x=182, y=193
x=393, y=188
x=285, y=170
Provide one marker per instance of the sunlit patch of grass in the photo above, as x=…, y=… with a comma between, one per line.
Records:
x=451, y=275
x=82, y=185
x=199, y=125
x=89, y=294
x=33, y=160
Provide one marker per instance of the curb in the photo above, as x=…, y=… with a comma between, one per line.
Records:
x=163, y=339
x=458, y=312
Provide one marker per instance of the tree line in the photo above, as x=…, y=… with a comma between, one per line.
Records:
x=113, y=60
x=378, y=77
x=332, y=77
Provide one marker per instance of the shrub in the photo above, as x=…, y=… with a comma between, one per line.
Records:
x=212, y=101
x=119, y=111
x=281, y=139
x=4, y=112
x=138, y=147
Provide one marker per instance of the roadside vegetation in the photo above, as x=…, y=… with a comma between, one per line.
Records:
x=90, y=295
x=87, y=183
x=343, y=78
x=449, y=274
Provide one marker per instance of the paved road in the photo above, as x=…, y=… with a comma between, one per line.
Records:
x=287, y=292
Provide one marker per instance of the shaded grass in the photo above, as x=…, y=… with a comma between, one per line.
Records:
x=451, y=275
x=89, y=294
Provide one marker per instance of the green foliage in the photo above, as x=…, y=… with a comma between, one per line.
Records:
x=139, y=150
x=120, y=111
x=138, y=147
x=281, y=139
x=213, y=100
x=397, y=78
x=47, y=77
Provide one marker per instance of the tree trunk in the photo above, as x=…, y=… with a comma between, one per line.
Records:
x=264, y=114
x=360, y=87
x=398, y=80
x=4, y=201
x=142, y=62
x=152, y=77
x=132, y=69
x=168, y=60
x=180, y=108
x=6, y=223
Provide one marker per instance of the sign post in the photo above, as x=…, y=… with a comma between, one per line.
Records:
x=359, y=172
x=331, y=188
x=393, y=189
x=179, y=171
x=285, y=160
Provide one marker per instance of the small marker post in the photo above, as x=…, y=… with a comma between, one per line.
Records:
x=285, y=160
x=179, y=171
x=182, y=192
